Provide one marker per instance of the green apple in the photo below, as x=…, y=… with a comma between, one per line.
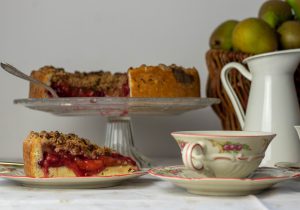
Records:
x=221, y=36
x=289, y=34
x=275, y=12
x=254, y=36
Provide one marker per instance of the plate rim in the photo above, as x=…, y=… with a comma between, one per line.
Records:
x=151, y=172
x=113, y=98
x=16, y=177
x=87, y=101
x=116, y=106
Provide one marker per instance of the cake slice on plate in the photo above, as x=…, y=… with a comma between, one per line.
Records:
x=54, y=154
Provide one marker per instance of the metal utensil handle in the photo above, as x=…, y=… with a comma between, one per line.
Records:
x=14, y=71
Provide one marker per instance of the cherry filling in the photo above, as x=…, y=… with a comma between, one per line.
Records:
x=125, y=90
x=63, y=89
x=82, y=166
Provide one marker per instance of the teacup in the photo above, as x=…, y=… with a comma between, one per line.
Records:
x=227, y=154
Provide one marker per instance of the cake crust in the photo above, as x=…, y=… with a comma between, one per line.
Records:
x=32, y=151
x=44, y=75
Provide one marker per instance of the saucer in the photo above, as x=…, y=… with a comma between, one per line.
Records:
x=16, y=175
x=196, y=183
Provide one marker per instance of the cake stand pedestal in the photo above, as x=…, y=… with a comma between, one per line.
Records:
x=119, y=137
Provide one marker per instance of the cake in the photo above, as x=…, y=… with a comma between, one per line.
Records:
x=143, y=81
x=54, y=154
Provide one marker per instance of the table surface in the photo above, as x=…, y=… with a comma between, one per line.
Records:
x=146, y=192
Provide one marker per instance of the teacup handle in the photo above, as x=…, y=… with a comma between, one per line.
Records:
x=229, y=90
x=193, y=155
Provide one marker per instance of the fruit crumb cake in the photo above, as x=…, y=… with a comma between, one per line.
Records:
x=143, y=81
x=54, y=154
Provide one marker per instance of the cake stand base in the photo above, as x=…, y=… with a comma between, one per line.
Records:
x=119, y=137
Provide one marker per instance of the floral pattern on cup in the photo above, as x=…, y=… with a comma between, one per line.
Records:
x=230, y=147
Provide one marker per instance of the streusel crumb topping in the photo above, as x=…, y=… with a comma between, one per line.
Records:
x=70, y=143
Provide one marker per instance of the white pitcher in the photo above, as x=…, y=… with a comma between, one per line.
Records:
x=272, y=103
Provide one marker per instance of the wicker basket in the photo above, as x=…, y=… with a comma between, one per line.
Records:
x=215, y=60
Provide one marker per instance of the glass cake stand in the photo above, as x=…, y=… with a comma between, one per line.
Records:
x=118, y=112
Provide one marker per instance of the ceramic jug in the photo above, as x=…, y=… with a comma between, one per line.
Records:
x=272, y=103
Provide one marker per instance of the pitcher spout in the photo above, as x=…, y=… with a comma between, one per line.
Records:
x=281, y=62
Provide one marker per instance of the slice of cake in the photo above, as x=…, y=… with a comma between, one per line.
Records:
x=143, y=81
x=163, y=81
x=54, y=154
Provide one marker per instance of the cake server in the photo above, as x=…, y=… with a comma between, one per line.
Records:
x=14, y=71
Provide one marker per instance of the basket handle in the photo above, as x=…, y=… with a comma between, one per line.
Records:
x=229, y=90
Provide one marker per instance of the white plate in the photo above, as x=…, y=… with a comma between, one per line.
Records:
x=16, y=174
x=196, y=183
x=116, y=106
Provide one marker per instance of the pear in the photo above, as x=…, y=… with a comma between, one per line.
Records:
x=275, y=12
x=295, y=4
x=221, y=36
x=254, y=36
x=289, y=34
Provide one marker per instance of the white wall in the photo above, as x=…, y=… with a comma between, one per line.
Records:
x=110, y=35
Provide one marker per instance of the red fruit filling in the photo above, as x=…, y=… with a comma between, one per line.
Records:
x=80, y=165
x=125, y=90
x=63, y=89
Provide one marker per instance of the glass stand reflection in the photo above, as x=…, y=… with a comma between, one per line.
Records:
x=120, y=138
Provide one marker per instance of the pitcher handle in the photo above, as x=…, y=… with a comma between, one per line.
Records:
x=229, y=90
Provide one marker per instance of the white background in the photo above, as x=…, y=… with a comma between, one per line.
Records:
x=109, y=35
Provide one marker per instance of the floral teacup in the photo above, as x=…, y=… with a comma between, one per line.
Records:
x=227, y=154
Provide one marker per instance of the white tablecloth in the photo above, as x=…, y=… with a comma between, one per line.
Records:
x=146, y=192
